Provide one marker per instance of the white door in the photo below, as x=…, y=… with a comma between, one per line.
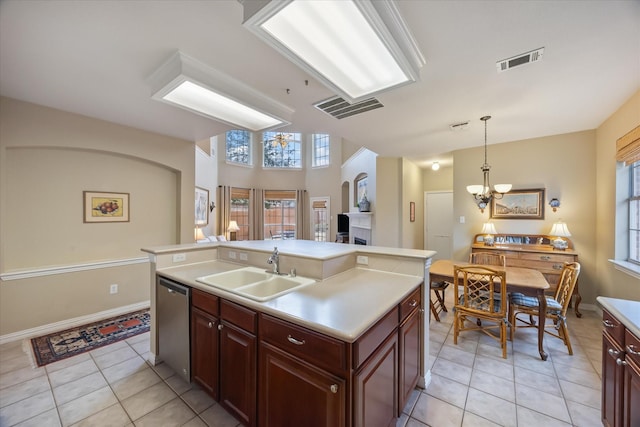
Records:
x=438, y=227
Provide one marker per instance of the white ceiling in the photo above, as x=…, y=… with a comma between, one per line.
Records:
x=93, y=58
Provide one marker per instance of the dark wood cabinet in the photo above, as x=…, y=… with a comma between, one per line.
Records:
x=204, y=350
x=620, y=374
x=409, y=355
x=238, y=362
x=375, y=393
x=295, y=393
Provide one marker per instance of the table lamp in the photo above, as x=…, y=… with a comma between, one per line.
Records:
x=488, y=229
x=233, y=228
x=199, y=234
x=559, y=230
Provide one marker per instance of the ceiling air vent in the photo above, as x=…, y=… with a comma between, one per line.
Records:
x=339, y=108
x=459, y=126
x=525, y=58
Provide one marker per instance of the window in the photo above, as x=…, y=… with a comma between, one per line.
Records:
x=239, y=211
x=320, y=218
x=238, y=147
x=281, y=150
x=279, y=215
x=320, y=150
x=634, y=213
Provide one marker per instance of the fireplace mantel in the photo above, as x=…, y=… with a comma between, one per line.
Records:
x=360, y=226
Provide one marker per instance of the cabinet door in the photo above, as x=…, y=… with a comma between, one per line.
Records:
x=631, y=416
x=611, y=382
x=238, y=372
x=409, y=365
x=294, y=393
x=376, y=387
x=204, y=350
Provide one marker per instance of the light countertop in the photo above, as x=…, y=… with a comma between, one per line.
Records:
x=627, y=311
x=343, y=306
x=301, y=248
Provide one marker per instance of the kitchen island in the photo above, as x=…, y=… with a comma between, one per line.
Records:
x=320, y=354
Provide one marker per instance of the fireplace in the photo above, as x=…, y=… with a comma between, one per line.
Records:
x=359, y=241
x=360, y=228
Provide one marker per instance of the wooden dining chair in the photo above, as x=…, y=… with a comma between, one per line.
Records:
x=476, y=288
x=437, y=305
x=488, y=258
x=556, y=306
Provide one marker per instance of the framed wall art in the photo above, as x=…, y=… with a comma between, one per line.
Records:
x=519, y=204
x=202, y=206
x=100, y=206
x=412, y=211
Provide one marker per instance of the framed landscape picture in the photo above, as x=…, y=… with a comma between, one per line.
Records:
x=519, y=204
x=202, y=206
x=101, y=206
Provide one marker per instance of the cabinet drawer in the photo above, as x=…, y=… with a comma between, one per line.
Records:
x=613, y=327
x=632, y=347
x=375, y=335
x=205, y=301
x=311, y=346
x=238, y=315
x=410, y=303
x=547, y=257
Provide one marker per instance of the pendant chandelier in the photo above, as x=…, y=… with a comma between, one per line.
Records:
x=281, y=139
x=483, y=193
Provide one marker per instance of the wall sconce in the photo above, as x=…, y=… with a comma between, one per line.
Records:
x=489, y=230
x=212, y=206
x=233, y=228
x=554, y=203
x=559, y=230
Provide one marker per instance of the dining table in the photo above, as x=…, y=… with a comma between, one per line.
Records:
x=524, y=280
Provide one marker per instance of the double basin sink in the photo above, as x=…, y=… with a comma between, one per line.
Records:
x=255, y=283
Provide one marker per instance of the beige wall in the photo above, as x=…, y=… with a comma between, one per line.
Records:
x=562, y=165
x=440, y=180
x=47, y=159
x=412, y=191
x=611, y=282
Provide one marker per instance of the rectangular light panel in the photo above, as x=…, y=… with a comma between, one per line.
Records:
x=348, y=45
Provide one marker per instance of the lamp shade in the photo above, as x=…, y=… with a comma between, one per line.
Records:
x=233, y=226
x=199, y=234
x=489, y=228
x=560, y=229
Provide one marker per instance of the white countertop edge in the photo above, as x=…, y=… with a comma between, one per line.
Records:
x=627, y=311
x=300, y=248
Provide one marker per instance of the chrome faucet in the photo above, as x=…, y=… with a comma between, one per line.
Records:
x=275, y=260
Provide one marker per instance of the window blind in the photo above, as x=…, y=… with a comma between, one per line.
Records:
x=628, y=147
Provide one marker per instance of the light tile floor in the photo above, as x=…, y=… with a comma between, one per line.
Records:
x=471, y=385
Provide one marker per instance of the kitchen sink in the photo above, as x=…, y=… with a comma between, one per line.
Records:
x=255, y=283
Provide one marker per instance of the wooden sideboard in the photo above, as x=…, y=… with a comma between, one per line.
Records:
x=532, y=251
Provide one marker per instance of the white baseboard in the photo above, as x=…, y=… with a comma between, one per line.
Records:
x=71, y=323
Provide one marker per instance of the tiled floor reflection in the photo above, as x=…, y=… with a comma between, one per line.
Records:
x=471, y=385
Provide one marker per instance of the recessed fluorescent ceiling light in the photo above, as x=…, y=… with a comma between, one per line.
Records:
x=357, y=48
x=189, y=84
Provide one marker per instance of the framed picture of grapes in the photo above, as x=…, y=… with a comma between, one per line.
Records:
x=106, y=207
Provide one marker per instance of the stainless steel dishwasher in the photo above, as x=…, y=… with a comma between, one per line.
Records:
x=173, y=326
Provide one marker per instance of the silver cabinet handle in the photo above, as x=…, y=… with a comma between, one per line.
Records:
x=220, y=327
x=334, y=388
x=557, y=266
x=631, y=350
x=613, y=352
x=608, y=323
x=545, y=257
x=413, y=303
x=621, y=362
x=210, y=325
x=171, y=291
x=295, y=341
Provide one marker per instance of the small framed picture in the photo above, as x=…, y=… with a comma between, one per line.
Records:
x=202, y=206
x=412, y=211
x=101, y=206
x=519, y=204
